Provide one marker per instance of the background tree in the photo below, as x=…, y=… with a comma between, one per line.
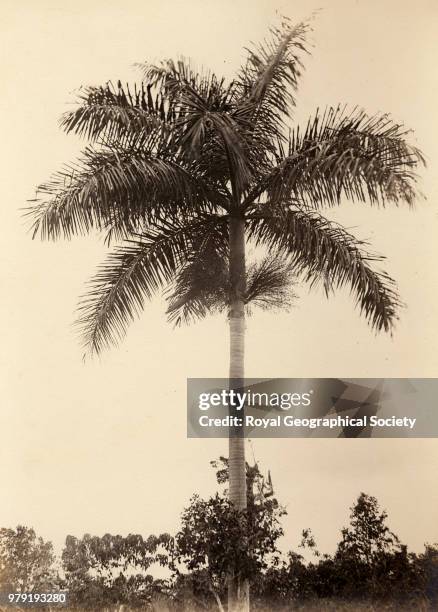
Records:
x=187, y=169
x=428, y=565
x=113, y=570
x=370, y=558
x=367, y=536
x=26, y=561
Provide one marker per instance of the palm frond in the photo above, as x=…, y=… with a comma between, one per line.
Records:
x=270, y=283
x=346, y=154
x=201, y=287
x=132, y=273
x=267, y=82
x=181, y=78
x=323, y=251
x=111, y=113
x=119, y=190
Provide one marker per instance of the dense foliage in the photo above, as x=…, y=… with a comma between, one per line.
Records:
x=188, y=571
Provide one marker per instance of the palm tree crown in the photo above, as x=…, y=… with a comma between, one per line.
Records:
x=173, y=159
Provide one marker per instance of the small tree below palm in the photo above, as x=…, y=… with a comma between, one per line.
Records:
x=211, y=534
x=185, y=170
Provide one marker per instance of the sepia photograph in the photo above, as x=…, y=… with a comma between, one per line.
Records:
x=219, y=339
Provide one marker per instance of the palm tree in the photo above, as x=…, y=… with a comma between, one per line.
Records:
x=185, y=170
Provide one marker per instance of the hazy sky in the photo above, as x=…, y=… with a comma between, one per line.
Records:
x=101, y=446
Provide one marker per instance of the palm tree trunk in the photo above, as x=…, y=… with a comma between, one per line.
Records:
x=238, y=589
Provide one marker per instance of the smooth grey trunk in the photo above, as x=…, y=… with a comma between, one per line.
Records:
x=238, y=589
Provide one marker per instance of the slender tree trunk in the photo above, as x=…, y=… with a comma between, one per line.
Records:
x=238, y=589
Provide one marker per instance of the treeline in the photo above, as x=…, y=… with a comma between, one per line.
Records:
x=370, y=563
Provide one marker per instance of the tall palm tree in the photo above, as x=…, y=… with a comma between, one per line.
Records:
x=185, y=170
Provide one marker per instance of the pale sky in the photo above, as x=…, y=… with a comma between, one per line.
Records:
x=101, y=446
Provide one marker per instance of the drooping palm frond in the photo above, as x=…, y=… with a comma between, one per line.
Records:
x=345, y=154
x=323, y=251
x=109, y=189
x=270, y=283
x=203, y=286
x=134, y=272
